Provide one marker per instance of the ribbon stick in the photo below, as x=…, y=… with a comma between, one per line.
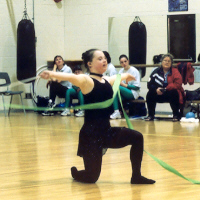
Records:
x=23, y=81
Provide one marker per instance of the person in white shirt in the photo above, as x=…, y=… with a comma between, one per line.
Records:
x=128, y=90
x=57, y=88
x=111, y=70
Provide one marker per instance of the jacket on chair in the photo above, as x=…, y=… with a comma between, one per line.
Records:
x=187, y=72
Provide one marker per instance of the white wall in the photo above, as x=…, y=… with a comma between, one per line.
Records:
x=49, y=28
x=91, y=25
x=71, y=26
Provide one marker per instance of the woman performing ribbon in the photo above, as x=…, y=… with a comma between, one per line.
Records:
x=97, y=135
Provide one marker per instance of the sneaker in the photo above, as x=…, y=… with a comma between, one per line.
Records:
x=149, y=118
x=80, y=113
x=47, y=113
x=116, y=115
x=66, y=112
x=51, y=105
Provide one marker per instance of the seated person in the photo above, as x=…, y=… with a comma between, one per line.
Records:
x=74, y=92
x=165, y=85
x=128, y=91
x=57, y=88
x=111, y=70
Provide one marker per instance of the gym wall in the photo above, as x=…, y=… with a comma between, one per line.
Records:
x=71, y=27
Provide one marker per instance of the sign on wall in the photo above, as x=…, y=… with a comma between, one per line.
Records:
x=177, y=5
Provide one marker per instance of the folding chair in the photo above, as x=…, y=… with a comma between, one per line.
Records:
x=5, y=76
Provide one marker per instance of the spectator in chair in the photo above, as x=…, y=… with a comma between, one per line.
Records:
x=57, y=87
x=74, y=92
x=128, y=90
x=165, y=85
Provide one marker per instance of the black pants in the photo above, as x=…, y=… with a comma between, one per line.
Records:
x=123, y=138
x=171, y=96
x=56, y=89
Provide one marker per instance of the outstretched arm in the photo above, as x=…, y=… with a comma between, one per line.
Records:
x=82, y=81
x=126, y=76
x=52, y=79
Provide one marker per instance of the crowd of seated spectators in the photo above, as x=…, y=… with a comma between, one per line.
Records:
x=164, y=85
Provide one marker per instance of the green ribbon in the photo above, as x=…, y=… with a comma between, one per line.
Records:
x=160, y=162
x=171, y=169
x=91, y=106
x=125, y=115
x=106, y=104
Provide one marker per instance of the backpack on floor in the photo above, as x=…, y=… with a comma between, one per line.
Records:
x=137, y=109
x=42, y=102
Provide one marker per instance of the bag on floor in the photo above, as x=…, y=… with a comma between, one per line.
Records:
x=42, y=102
x=193, y=95
x=137, y=109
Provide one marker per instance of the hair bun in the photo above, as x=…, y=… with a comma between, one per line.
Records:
x=83, y=56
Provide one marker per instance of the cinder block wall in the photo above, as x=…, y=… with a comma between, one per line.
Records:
x=70, y=27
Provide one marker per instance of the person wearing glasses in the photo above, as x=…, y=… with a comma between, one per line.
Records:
x=165, y=85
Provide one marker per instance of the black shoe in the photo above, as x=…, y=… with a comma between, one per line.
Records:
x=175, y=119
x=142, y=180
x=74, y=172
x=149, y=118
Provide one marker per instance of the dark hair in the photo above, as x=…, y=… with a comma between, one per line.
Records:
x=157, y=58
x=88, y=56
x=54, y=61
x=107, y=56
x=76, y=68
x=123, y=55
x=167, y=55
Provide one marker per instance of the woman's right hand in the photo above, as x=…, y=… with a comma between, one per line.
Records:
x=158, y=91
x=45, y=74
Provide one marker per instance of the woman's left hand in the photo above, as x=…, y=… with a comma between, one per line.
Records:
x=130, y=78
x=55, y=67
x=123, y=84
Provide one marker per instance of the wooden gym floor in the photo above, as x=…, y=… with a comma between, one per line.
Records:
x=36, y=154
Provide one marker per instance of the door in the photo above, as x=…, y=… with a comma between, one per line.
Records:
x=182, y=37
